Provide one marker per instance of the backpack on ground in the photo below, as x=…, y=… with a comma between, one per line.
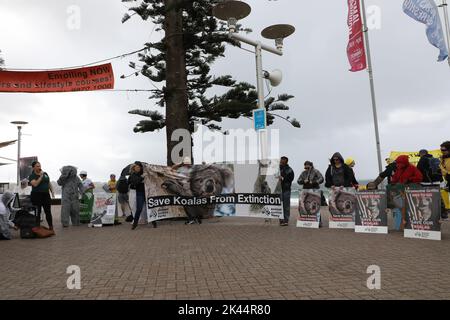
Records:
x=25, y=222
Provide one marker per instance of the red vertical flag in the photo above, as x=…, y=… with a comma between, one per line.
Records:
x=355, y=50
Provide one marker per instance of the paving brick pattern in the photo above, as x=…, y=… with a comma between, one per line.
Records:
x=229, y=258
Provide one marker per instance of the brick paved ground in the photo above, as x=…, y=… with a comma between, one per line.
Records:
x=224, y=259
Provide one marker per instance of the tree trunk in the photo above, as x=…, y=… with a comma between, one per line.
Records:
x=176, y=96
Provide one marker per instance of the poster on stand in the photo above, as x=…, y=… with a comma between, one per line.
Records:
x=371, y=214
x=309, y=209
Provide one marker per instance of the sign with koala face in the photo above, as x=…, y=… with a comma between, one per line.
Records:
x=423, y=209
x=309, y=209
x=371, y=214
x=247, y=190
x=342, y=208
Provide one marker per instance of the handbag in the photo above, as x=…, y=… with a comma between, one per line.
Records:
x=42, y=232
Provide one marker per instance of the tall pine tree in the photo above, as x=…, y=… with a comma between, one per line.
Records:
x=181, y=61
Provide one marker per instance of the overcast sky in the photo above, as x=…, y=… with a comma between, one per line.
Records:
x=93, y=131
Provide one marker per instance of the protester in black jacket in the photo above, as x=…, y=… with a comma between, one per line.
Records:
x=425, y=167
x=286, y=177
x=136, y=181
x=339, y=174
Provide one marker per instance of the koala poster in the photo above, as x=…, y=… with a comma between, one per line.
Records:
x=309, y=209
x=423, y=210
x=213, y=190
x=371, y=213
x=342, y=206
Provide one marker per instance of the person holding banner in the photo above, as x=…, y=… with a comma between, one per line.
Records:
x=136, y=182
x=311, y=179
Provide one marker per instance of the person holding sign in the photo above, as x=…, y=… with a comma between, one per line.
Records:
x=311, y=178
x=445, y=170
x=339, y=174
x=406, y=173
x=136, y=182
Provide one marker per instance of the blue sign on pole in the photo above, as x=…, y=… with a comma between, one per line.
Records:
x=259, y=119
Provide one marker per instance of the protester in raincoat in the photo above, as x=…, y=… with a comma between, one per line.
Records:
x=71, y=190
x=406, y=173
x=5, y=212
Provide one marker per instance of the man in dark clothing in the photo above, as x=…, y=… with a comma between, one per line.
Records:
x=286, y=178
x=387, y=173
x=425, y=167
x=339, y=174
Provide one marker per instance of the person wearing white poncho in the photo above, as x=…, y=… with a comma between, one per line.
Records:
x=5, y=213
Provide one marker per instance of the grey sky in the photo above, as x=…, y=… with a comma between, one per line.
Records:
x=94, y=132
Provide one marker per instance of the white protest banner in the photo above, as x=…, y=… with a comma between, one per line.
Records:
x=240, y=190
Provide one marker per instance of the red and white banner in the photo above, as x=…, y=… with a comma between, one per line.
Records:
x=81, y=79
x=356, y=50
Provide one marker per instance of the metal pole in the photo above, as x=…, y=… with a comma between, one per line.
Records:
x=447, y=25
x=254, y=43
x=261, y=102
x=372, y=85
x=19, y=129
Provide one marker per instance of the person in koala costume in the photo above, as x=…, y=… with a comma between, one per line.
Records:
x=5, y=214
x=72, y=187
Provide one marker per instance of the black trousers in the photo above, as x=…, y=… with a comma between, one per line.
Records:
x=42, y=200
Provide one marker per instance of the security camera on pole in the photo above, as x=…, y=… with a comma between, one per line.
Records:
x=232, y=11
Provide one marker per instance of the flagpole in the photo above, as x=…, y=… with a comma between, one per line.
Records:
x=372, y=85
x=447, y=25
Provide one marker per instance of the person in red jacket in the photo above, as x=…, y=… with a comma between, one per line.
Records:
x=406, y=173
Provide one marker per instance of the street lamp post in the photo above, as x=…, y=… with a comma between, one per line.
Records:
x=232, y=11
x=19, y=125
